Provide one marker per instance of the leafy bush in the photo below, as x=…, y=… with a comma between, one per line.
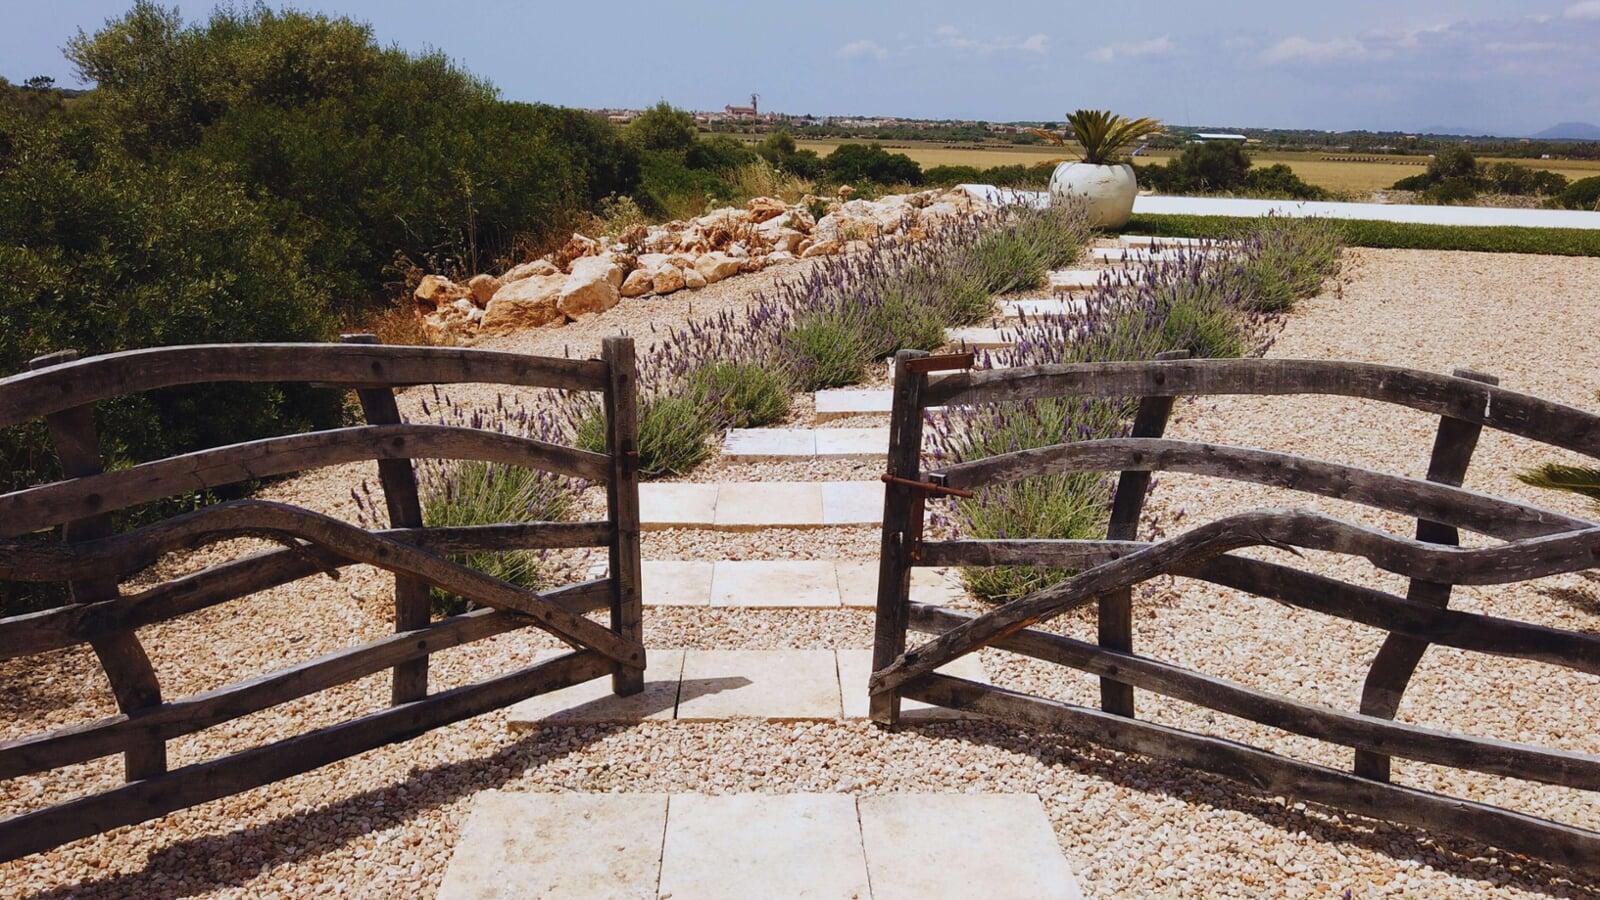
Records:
x=673, y=430
x=1221, y=167
x=779, y=150
x=1278, y=180
x=368, y=153
x=1582, y=194
x=948, y=176
x=826, y=350
x=1510, y=178
x=1451, y=190
x=855, y=163
x=744, y=395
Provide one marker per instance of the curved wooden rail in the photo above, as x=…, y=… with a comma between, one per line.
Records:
x=1578, y=770
x=1478, y=632
x=1532, y=558
x=282, y=521
x=64, y=626
x=1474, y=511
x=1460, y=398
x=51, y=504
x=67, y=385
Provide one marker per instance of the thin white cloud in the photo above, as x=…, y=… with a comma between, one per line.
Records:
x=1304, y=50
x=1035, y=43
x=1588, y=9
x=1159, y=46
x=862, y=49
x=949, y=37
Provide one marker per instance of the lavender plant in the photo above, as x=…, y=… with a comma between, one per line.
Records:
x=471, y=492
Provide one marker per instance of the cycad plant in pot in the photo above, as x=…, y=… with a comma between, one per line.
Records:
x=1102, y=180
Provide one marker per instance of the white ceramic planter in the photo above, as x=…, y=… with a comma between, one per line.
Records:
x=1107, y=191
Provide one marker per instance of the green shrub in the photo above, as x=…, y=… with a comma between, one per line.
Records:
x=469, y=492
x=857, y=163
x=1198, y=315
x=948, y=176
x=1278, y=180
x=1008, y=261
x=906, y=318
x=826, y=350
x=1054, y=507
x=779, y=150
x=673, y=430
x=1451, y=190
x=744, y=395
x=1582, y=194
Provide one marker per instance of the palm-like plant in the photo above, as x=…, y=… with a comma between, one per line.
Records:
x=1102, y=134
x=1583, y=480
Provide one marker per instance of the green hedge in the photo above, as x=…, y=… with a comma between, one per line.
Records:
x=1394, y=235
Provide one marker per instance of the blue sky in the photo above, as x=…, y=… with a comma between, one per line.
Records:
x=1488, y=65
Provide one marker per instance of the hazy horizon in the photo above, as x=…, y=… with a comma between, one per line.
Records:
x=1484, y=66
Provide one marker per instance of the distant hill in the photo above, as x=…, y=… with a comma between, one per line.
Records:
x=1452, y=131
x=1569, y=131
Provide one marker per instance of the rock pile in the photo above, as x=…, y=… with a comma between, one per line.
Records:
x=589, y=275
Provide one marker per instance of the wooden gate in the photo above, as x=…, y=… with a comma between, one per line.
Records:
x=1534, y=543
x=93, y=560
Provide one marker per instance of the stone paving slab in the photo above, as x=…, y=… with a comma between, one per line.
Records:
x=567, y=845
x=751, y=444
x=858, y=584
x=775, y=583
x=776, y=685
x=839, y=403
x=593, y=702
x=768, y=504
x=1013, y=309
x=852, y=502
x=979, y=338
x=1131, y=254
x=1076, y=278
x=677, y=505
x=855, y=667
x=956, y=846
x=739, y=846
x=672, y=582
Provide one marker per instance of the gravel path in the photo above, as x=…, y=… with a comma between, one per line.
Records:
x=384, y=824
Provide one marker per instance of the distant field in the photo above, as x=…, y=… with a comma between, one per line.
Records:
x=1335, y=173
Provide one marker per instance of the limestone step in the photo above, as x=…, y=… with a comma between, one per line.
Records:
x=1131, y=255
x=1145, y=240
x=1042, y=306
x=842, y=403
x=701, y=847
x=716, y=685
x=1076, y=278
x=746, y=506
x=753, y=444
x=781, y=583
x=979, y=338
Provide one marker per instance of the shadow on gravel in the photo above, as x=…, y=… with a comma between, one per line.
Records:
x=234, y=858
x=1325, y=824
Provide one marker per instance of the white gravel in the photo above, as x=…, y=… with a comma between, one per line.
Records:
x=383, y=824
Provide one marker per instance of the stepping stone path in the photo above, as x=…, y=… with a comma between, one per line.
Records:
x=1043, y=306
x=975, y=338
x=1075, y=278
x=767, y=444
x=701, y=847
x=744, y=506
x=717, y=685
x=781, y=583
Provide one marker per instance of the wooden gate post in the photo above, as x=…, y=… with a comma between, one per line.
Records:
x=1115, y=613
x=622, y=500
x=1397, y=659
x=894, y=566
x=127, y=666
x=412, y=604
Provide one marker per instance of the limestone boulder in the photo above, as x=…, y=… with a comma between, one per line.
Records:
x=516, y=315
x=532, y=288
x=482, y=288
x=668, y=278
x=638, y=283
x=763, y=208
x=594, y=286
x=716, y=266
x=693, y=280
x=822, y=248
x=575, y=248
x=436, y=290
x=529, y=269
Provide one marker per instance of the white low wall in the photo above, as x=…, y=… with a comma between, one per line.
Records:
x=1382, y=212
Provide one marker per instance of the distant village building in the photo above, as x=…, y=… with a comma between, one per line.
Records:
x=753, y=111
x=1206, y=136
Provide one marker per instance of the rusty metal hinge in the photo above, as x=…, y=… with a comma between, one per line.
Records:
x=949, y=362
x=927, y=487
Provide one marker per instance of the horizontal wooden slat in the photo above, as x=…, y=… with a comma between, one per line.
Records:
x=141, y=801
x=1272, y=774
x=33, y=394
x=47, y=505
x=1452, y=628
x=1412, y=496
x=282, y=521
x=1446, y=395
x=1560, y=767
x=53, y=629
x=1532, y=558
